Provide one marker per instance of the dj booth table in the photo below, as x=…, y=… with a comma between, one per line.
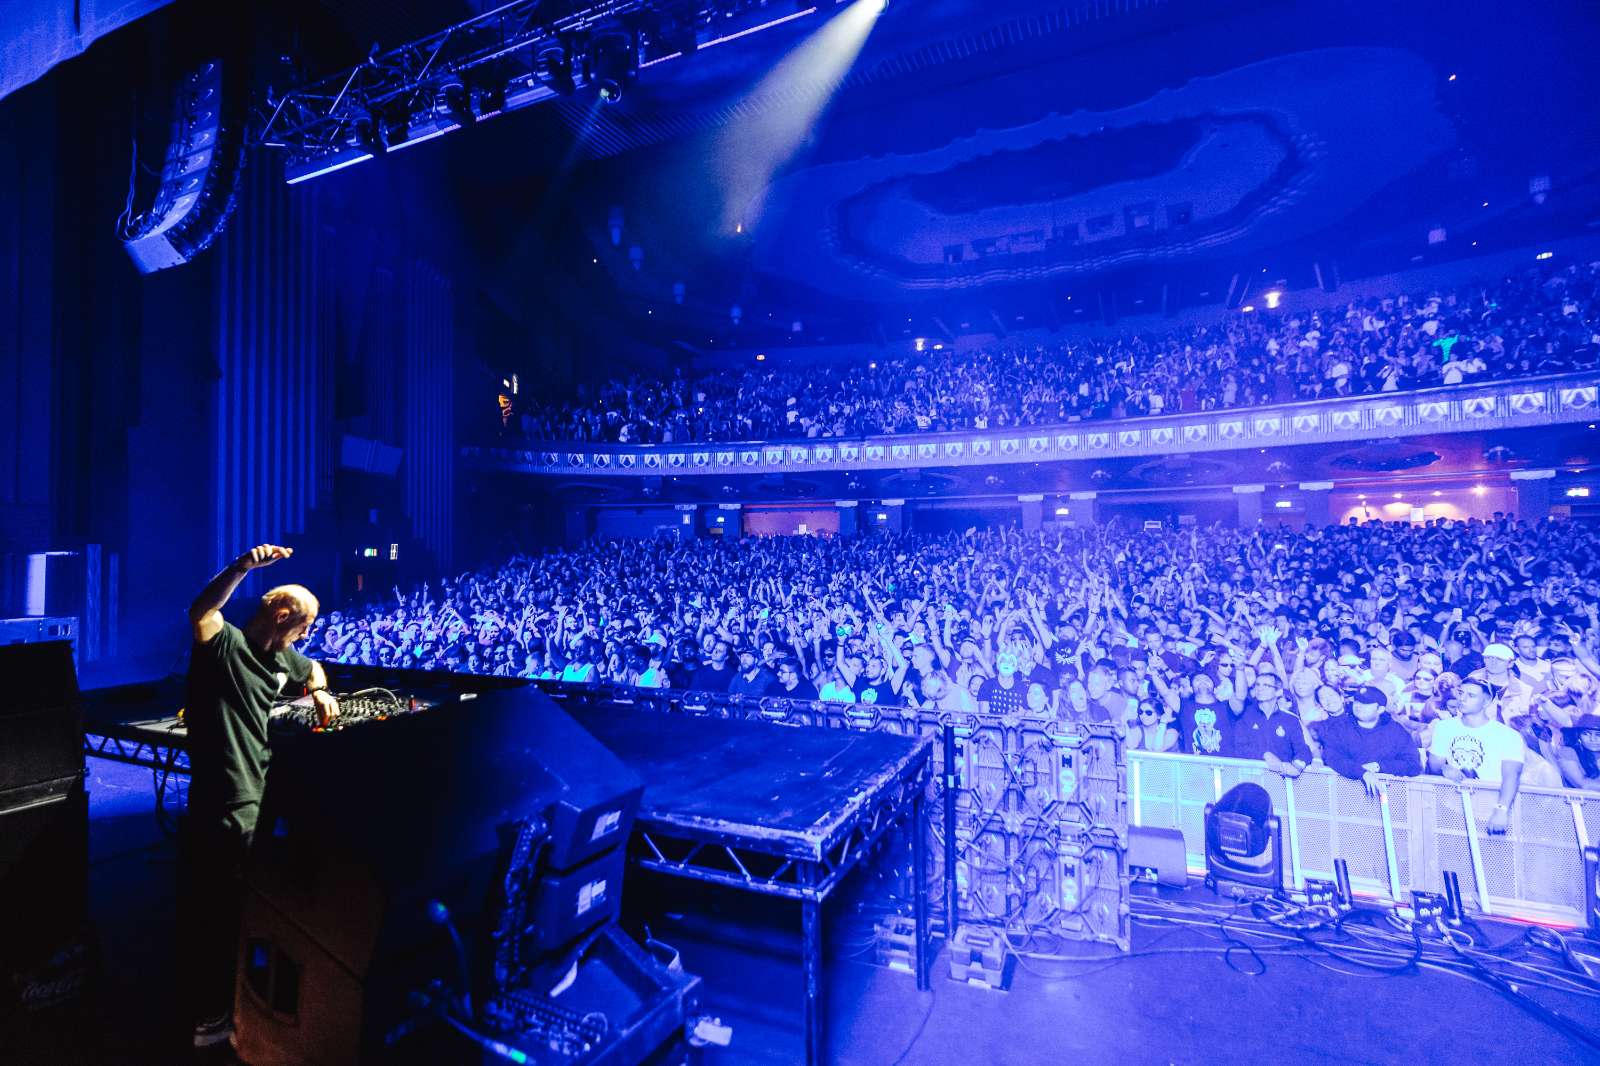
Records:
x=138, y=725
x=157, y=743
x=776, y=810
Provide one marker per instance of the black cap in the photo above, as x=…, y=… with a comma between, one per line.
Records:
x=1367, y=694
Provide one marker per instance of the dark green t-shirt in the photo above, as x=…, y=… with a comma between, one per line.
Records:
x=232, y=687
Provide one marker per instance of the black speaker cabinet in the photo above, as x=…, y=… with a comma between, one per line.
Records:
x=41, y=728
x=1162, y=851
x=44, y=870
x=361, y=831
x=44, y=808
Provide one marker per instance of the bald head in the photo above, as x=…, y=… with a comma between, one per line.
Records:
x=286, y=612
x=297, y=599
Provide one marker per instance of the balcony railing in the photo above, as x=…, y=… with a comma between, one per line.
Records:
x=1527, y=402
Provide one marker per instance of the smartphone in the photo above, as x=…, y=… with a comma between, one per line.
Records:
x=1133, y=642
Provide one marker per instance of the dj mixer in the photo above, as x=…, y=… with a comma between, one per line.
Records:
x=355, y=709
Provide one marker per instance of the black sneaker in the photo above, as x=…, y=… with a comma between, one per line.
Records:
x=218, y=1030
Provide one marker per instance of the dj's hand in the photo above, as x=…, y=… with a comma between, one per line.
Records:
x=327, y=706
x=262, y=555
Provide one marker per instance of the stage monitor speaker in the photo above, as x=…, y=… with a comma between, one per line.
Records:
x=41, y=730
x=1162, y=851
x=44, y=816
x=363, y=831
x=44, y=874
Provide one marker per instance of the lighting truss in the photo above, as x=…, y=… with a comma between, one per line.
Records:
x=330, y=124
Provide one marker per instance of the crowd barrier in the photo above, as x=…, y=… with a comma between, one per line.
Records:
x=1026, y=801
x=1405, y=839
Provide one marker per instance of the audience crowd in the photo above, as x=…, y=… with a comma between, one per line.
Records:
x=1534, y=323
x=1467, y=648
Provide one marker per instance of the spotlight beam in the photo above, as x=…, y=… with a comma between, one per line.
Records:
x=751, y=150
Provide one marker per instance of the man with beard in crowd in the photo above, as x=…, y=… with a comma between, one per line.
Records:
x=790, y=685
x=753, y=679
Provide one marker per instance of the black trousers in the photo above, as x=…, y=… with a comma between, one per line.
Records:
x=211, y=854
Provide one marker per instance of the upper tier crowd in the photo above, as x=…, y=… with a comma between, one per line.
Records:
x=1458, y=647
x=1538, y=322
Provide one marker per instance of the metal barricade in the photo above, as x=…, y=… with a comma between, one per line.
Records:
x=1418, y=828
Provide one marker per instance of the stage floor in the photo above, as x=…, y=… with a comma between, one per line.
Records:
x=1173, y=1001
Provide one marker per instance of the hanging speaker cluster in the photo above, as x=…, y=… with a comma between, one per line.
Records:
x=199, y=180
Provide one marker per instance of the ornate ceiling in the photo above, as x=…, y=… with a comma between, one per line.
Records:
x=1266, y=151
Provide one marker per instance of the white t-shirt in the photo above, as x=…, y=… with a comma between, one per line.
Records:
x=1481, y=750
x=834, y=692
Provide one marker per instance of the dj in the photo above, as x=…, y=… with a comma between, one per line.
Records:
x=235, y=676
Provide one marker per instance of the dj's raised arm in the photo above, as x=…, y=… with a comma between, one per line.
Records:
x=205, y=613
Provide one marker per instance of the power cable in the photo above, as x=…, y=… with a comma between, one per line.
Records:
x=1578, y=1032
x=933, y=995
